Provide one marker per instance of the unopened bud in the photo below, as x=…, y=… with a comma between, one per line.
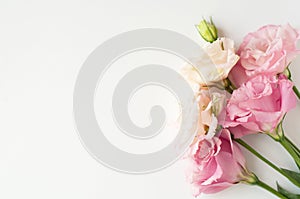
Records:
x=207, y=30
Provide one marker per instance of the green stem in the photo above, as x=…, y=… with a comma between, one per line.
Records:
x=288, y=145
x=296, y=91
x=293, y=145
x=229, y=90
x=289, y=76
x=254, y=152
x=290, y=149
x=252, y=179
x=270, y=189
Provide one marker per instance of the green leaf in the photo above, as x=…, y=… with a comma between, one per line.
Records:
x=292, y=174
x=287, y=193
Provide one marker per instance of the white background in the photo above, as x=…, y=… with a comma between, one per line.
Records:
x=42, y=47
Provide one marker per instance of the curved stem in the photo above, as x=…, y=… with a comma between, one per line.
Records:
x=296, y=91
x=288, y=145
x=290, y=149
x=270, y=189
x=254, y=152
x=289, y=76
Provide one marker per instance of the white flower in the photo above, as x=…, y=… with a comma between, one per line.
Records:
x=212, y=128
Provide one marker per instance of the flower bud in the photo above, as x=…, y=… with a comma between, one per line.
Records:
x=207, y=30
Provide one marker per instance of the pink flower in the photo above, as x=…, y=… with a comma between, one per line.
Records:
x=216, y=164
x=259, y=105
x=269, y=50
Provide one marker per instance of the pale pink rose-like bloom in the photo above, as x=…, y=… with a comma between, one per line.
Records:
x=215, y=164
x=259, y=105
x=269, y=50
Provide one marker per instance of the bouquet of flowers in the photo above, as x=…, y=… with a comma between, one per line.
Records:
x=259, y=93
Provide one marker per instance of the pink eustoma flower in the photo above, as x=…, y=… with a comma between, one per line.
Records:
x=269, y=50
x=259, y=105
x=215, y=164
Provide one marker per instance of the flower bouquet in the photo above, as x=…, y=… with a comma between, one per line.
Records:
x=246, y=92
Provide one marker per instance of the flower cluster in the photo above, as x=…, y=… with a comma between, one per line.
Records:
x=257, y=93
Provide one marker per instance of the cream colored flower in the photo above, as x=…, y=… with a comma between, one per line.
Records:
x=214, y=65
x=210, y=106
